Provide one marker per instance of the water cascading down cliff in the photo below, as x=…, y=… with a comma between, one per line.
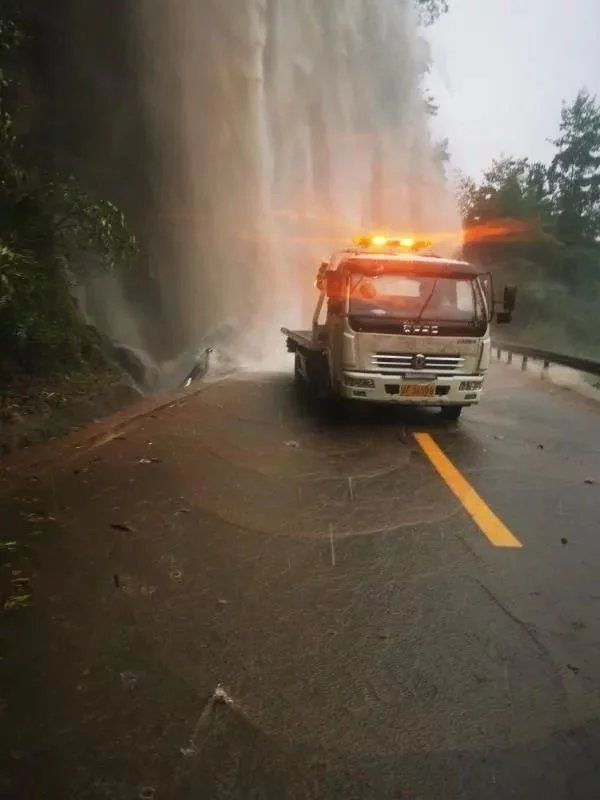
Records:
x=280, y=128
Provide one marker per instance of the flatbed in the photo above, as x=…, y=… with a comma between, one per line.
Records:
x=305, y=340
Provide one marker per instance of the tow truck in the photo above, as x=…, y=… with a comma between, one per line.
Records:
x=401, y=325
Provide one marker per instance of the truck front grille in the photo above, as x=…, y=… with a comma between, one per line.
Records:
x=392, y=363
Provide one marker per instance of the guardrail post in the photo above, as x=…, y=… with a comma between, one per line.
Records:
x=546, y=358
x=545, y=369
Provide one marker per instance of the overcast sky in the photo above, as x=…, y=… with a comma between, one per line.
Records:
x=501, y=69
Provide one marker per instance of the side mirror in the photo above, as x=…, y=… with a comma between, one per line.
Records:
x=510, y=298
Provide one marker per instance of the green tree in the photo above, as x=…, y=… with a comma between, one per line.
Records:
x=49, y=228
x=512, y=188
x=538, y=227
x=575, y=171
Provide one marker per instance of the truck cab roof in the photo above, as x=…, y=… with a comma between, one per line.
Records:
x=357, y=260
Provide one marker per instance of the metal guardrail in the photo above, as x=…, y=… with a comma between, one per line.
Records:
x=546, y=356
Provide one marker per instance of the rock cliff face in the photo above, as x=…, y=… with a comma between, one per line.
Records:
x=247, y=140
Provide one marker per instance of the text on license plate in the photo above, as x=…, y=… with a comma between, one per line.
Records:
x=417, y=390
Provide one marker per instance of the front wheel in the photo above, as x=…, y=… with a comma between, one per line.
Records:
x=451, y=412
x=298, y=376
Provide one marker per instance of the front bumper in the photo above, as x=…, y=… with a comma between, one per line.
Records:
x=448, y=390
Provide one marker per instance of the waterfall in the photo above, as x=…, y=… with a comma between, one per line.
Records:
x=278, y=130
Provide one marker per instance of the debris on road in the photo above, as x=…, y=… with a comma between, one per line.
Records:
x=589, y=481
x=17, y=601
x=116, y=581
x=149, y=460
x=540, y=447
x=129, y=680
x=219, y=697
x=292, y=443
x=563, y=540
x=122, y=526
x=573, y=669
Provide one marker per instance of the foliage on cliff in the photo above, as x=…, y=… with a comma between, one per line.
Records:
x=50, y=230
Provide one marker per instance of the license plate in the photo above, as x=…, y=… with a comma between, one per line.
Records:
x=417, y=390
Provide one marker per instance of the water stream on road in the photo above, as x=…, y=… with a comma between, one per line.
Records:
x=279, y=129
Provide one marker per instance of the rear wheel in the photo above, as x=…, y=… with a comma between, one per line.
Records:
x=298, y=376
x=451, y=412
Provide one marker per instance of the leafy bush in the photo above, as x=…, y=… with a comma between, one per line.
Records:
x=50, y=229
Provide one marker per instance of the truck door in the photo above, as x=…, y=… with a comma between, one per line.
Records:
x=337, y=309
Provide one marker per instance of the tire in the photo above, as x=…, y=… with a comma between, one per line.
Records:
x=298, y=376
x=451, y=412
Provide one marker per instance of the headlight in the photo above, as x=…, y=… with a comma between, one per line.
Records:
x=360, y=383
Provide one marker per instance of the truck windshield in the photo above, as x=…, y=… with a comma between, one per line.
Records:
x=416, y=297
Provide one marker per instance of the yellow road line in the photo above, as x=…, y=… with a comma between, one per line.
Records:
x=492, y=527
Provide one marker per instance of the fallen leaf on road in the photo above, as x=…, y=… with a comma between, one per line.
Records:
x=540, y=447
x=121, y=526
x=43, y=517
x=573, y=668
x=17, y=601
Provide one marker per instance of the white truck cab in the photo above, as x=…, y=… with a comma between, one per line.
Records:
x=400, y=327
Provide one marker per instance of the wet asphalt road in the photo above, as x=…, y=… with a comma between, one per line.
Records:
x=371, y=641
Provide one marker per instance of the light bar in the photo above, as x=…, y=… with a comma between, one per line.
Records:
x=379, y=241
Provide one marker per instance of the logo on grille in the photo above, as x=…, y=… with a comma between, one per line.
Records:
x=419, y=361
